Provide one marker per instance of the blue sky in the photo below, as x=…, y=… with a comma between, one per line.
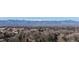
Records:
x=40, y=18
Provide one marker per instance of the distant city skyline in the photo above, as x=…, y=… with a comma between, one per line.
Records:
x=41, y=18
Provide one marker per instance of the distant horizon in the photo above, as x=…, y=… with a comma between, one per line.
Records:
x=41, y=18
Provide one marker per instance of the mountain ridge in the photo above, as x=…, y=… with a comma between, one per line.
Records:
x=38, y=23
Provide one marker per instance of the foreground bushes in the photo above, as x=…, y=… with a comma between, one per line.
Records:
x=39, y=34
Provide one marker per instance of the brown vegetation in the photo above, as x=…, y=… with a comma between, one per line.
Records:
x=39, y=34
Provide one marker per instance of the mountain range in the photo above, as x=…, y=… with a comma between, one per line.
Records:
x=38, y=23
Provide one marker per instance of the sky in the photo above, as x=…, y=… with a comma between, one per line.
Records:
x=40, y=18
